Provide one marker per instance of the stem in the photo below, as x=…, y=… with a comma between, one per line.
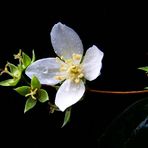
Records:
x=117, y=92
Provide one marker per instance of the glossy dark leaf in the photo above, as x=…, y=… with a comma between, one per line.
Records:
x=139, y=136
x=142, y=125
x=122, y=130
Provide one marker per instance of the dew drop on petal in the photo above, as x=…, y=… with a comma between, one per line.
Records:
x=45, y=71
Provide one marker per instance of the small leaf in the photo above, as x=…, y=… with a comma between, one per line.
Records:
x=26, y=60
x=145, y=87
x=33, y=56
x=9, y=82
x=35, y=83
x=43, y=96
x=16, y=71
x=13, y=69
x=23, y=90
x=30, y=103
x=144, y=68
x=67, y=116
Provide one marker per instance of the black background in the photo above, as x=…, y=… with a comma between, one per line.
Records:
x=118, y=29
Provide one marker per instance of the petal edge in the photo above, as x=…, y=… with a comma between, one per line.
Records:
x=68, y=94
x=45, y=70
x=65, y=41
x=92, y=63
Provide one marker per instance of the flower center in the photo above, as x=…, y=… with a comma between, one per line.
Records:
x=71, y=69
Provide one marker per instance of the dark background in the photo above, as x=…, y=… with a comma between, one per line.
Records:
x=118, y=29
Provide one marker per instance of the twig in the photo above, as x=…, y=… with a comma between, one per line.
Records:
x=117, y=92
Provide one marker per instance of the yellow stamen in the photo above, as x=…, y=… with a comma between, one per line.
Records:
x=59, y=78
x=70, y=69
x=76, y=56
x=77, y=81
x=81, y=75
x=63, y=68
x=69, y=61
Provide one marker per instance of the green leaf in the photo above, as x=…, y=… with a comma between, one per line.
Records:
x=30, y=103
x=9, y=82
x=42, y=95
x=144, y=68
x=67, y=116
x=13, y=69
x=33, y=56
x=145, y=87
x=26, y=60
x=35, y=83
x=23, y=90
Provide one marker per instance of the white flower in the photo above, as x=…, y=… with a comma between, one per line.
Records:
x=68, y=67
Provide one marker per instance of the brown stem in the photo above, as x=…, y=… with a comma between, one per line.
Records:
x=117, y=92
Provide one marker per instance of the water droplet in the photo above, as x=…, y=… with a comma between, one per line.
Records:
x=45, y=71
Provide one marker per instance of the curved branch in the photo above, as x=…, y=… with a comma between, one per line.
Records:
x=117, y=92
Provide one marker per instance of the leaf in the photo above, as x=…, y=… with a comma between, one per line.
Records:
x=119, y=132
x=145, y=87
x=23, y=90
x=13, y=69
x=42, y=95
x=144, y=68
x=139, y=136
x=9, y=82
x=35, y=83
x=30, y=103
x=33, y=56
x=67, y=116
x=142, y=125
x=26, y=60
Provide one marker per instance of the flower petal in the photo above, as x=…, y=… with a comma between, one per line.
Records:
x=45, y=70
x=92, y=63
x=65, y=41
x=68, y=94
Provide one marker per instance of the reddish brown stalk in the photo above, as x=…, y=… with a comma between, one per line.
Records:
x=117, y=92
